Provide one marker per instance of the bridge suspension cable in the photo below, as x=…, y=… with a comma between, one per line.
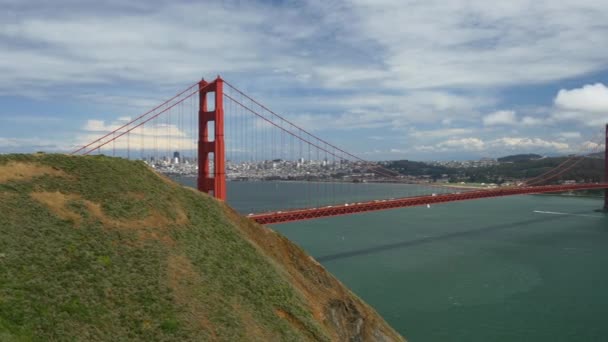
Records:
x=132, y=121
x=386, y=171
x=219, y=133
x=572, y=160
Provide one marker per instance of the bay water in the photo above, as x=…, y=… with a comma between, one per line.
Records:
x=520, y=268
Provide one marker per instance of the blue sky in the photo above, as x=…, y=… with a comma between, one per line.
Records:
x=401, y=79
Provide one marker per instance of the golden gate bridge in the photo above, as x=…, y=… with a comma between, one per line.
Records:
x=218, y=128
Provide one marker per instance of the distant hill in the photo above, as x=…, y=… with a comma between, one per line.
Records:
x=414, y=168
x=599, y=155
x=105, y=249
x=578, y=169
x=519, y=158
x=517, y=167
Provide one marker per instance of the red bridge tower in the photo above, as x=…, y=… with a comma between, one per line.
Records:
x=606, y=169
x=213, y=183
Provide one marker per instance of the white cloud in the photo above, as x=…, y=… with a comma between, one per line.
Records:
x=532, y=121
x=373, y=110
x=570, y=135
x=510, y=118
x=99, y=126
x=589, y=98
x=498, y=145
x=480, y=43
x=135, y=141
x=441, y=133
x=587, y=105
x=501, y=117
x=166, y=44
x=466, y=144
x=359, y=44
x=350, y=63
x=154, y=127
x=592, y=147
x=524, y=143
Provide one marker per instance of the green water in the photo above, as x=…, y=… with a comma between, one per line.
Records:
x=483, y=270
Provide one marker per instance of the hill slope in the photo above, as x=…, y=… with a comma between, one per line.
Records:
x=518, y=167
x=516, y=158
x=98, y=248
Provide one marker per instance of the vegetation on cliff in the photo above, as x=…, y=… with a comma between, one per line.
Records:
x=99, y=248
x=518, y=158
x=583, y=170
x=518, y=167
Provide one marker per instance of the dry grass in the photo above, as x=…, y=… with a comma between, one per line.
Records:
x=152, y=227
x=26, y=171
x=185, y=281
x=5, y=196
x=253, y=329
x=295, y=323
x=58, y=204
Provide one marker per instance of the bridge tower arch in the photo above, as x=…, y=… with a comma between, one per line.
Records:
x=211, y=182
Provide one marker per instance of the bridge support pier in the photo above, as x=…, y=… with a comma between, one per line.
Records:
x=213, y=183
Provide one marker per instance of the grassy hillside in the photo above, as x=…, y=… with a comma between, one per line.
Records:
x=518, y=167
x=517, y=158
x=588, y=170
x=99, y=248
x=413, y=168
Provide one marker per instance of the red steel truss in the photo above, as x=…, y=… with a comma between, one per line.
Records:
x=346, y=209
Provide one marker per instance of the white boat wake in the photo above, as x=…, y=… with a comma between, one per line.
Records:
x=566, y=214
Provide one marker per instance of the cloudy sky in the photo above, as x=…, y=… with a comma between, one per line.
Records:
x=400, y=79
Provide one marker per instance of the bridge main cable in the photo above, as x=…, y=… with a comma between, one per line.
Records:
x=132, y=121
x=143, y=122
x=577, y=158
x=298, y=137
x=387, y=172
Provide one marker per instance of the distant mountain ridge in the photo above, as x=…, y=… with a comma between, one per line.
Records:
x=516, y=167
x=516, y=158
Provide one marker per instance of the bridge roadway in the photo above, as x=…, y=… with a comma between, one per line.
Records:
x=346, y=209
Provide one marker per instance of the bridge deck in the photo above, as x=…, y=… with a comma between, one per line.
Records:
x=345, y=209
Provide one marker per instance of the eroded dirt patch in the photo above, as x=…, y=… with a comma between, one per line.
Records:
x=151, y=227
x=253, y=329
x=25, y=171
x=139, y=196
x=58, y=204
x=295, y=323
